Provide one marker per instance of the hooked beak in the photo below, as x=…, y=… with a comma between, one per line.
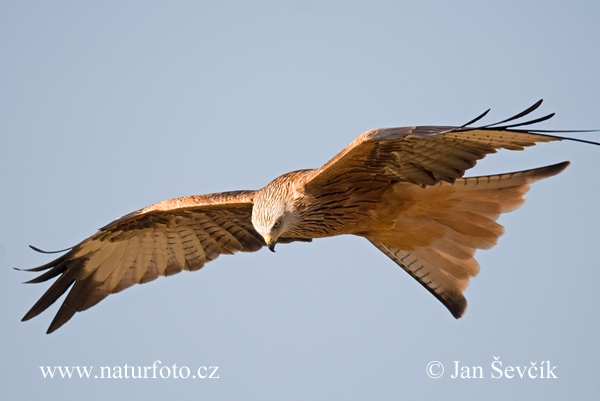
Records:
x=270, y=243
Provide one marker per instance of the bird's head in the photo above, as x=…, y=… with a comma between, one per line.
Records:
x=273, y=214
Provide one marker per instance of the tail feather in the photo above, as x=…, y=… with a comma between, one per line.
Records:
x=435, y=239
x=446, y=288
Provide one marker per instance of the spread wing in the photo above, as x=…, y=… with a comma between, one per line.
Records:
x=431, y=228
x=424, y=155
x=160, y=240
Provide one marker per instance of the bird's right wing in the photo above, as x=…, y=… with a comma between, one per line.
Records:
x=160, y=240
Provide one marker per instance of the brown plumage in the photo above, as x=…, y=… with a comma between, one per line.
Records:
x=400, y=188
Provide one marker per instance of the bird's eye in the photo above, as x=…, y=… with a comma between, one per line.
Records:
x=277, y=224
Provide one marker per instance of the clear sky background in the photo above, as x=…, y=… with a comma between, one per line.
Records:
x=108, y=107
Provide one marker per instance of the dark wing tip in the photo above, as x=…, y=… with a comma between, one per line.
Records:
x=49, y=252
x=479, y=117
x=515, y=117
x=57, y=322
x=513, y=127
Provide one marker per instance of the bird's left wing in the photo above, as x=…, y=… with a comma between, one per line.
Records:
x=423, y=155
x=160, y=240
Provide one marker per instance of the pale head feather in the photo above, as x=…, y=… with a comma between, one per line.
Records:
x=273, y=213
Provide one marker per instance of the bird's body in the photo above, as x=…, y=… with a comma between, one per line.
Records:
x=400, y=188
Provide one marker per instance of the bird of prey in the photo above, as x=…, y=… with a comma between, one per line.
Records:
x=400, y=188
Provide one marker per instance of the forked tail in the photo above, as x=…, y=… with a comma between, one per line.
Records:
x=435, y=238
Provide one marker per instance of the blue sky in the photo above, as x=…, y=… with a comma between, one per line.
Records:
x=109, y=107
